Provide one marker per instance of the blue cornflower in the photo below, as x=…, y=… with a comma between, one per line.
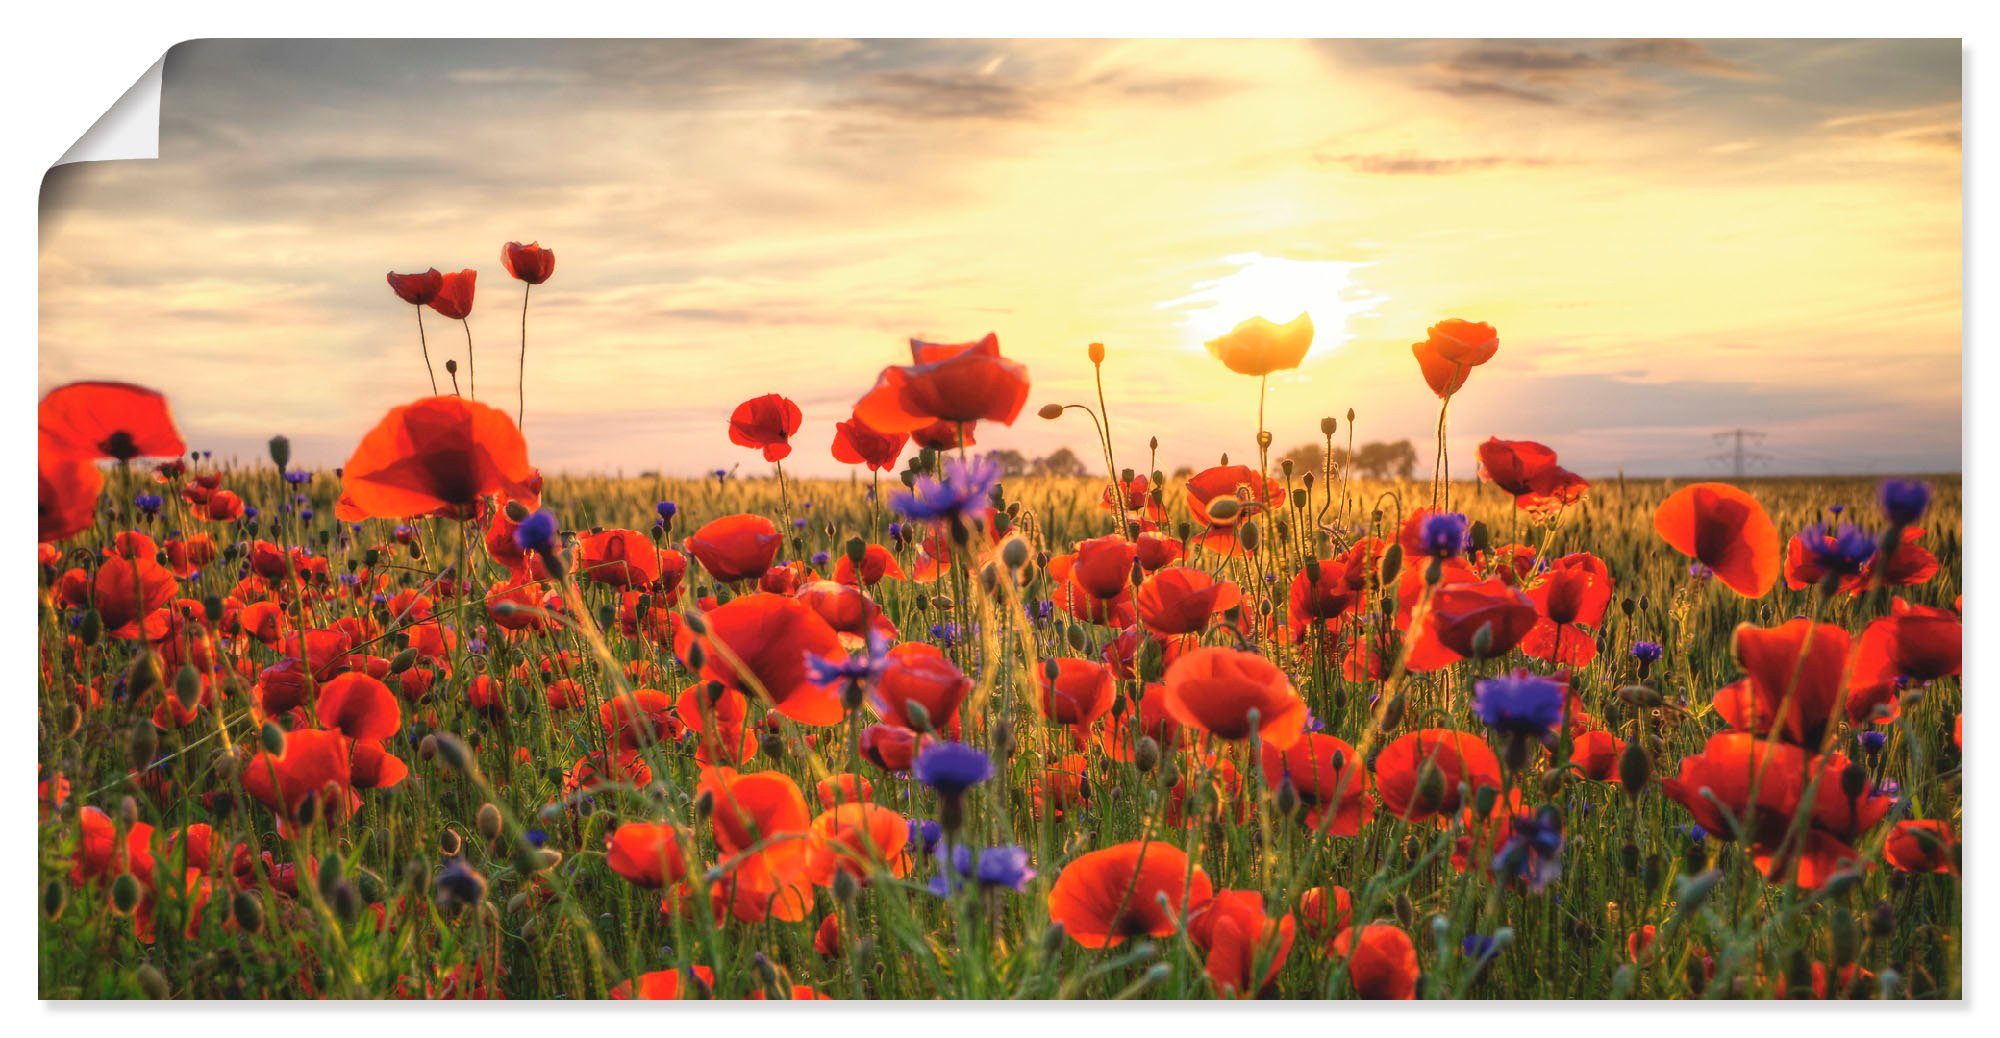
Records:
x=951, y=768
x=862, y=669
x=925, y=834
x=1647, y=652
x=1904, y=501
x=1519, y=703
x=1694, y=832
x=459, y=884
x=537, y=837
x=993, y=868
x=251, y=512
x=1442, y=535
x=1479, y=947
x=896, y=532
x=820, y=559
x=297, y=477
x=306, y=514
x=1873, y=740
x=962, y=498
x=667, y=509
x=1842, y=551
x=537, y=533
x=1699, y=571
x=1533, y=852
x=944, y=634
x=149, y=504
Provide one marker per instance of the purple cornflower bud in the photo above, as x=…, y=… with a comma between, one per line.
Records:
x=1904, y=501
x=1519, y=703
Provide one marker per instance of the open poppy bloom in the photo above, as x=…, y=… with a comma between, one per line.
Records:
x=758, y=643
x=1233, y=932
x=1259, y=347
x=1528, y=471
x=646, y=853
x=454, y=294
x=665, y=985
x=855, y=442
x=1451, y=351
x=876, y=564
x=1103, y=566
x=129, y=592
x=67, y=485
x=1474, y=619
x=114, y=420
x=416, y=289
x=1107, y=896
x=530, y=263
x=719, y=723
x=1182, y=600
x=620, y=558
x=442, y=455
x=1913, y=643
x=1330, y=778
x=736, y=547
x=640, y=718
x=922, y=674
x=1762, y=784
x=1080, y=692
x=1571, y=599
x=960, y=383
x=359, y=707
x=1726, y=530
x=1419, y=774
x=765, y=422
x=1799, y=668
x=1922, y=845
x=1229, y=693
x=324, y=766
x=1239, y=484
x=1381, y=961
x=858, y=839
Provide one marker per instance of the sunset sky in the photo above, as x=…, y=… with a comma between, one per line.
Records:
x=1672, y=237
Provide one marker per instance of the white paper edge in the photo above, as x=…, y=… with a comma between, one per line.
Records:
x=129, y=129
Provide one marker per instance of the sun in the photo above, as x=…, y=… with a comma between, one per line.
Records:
x=1277, y=289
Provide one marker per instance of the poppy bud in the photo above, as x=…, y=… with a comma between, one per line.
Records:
x=1014, y=553
x=1286, y=799
x=1693, y=892
x=1146, y=754
x=919, y=717
x=773, y=745
x=1553, y=781
x=272, y=738
x=54, y=896
x=449, y=844
x=143, y=744
x=845, y=887
x=145, y=674
x=281, y=452
x=488, y=820
x=1392, y=563
x=1328, y=426
x=427, y=747
x=1635, y=767
x=407, y=658
x=1052, y=940
x=1299, y=498
x=1051, y=411
x=451, y=366
x=1248, y=536
x=453, y=751
x=91, y=628
x=1430, y=789
x=151, y=982
x=1392, y=713
x=1882, y=919
x=1406, y=910
x=1003, y=738
x=1096, y=353
x=125, y=893
x=1628, y=856
x=1483, y=799
x=346, y=902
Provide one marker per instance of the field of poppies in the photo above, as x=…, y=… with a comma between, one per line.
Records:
x=435, y=724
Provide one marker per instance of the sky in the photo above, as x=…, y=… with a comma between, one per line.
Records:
x=1673, y=238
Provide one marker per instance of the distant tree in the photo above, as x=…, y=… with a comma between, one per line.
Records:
x=1062, y=464
x=1013, y=464
x=1384, y=460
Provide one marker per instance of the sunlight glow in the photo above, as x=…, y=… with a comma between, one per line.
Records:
x=1276, y=289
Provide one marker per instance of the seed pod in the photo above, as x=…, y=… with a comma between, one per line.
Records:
x=248, y=908
x=1406, y=910
x=91, y=628
x=1635, y=768
x=272, y=738
x=454, y=753
x=331, y=872
x=54, y=897
x=845, y=888
x=1248, y=536
x=488, y=820
x=143, y=744
x=125, y=893
x=1694, y=892
x=1392, y=563
x=152, y=982
x=407, y=658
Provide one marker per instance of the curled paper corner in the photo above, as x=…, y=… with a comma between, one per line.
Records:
x=129, y=129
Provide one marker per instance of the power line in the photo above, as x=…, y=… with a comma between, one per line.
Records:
x=1737, y=450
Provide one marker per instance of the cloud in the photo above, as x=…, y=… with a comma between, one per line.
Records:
x=1410, y=164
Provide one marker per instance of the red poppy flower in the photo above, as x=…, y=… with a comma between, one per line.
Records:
x=890, y=747
x=846, y=609
x=876, y=564
x=1467, y=615
x=620, y=558
x=759, y=811
x=66, y=490
x=1597, y=752
x=1235, y=935
x=1074, y=600
x=454, y=294
x=1381, y=961
x=665, y=985
x=847, y=788
x=1733, y=765
x=417, y=289
x=1080, y=693
x=1911, y=563
x=1216, y=690
x=530, y=263
x=316, y=764
x=1156, y=550
x=1330, y=778
x=855, y=442
x=1260, y=347
x=646, y=853
x=1150, y=720
x=736, y=547
x=1917, y=643
x=719, y=722
x=1571, y=598
x=100, y=854
x=965, y=382
x=1528, y=471
x=858, y=839
x=1105, y=897
x=640, y=718
x=1799, y=667
x=359, y=707
x=1182, y=600
x=1408, y=790
x=945, y=437
x=1453, y=349
x=1103, y=566
x=1922, y=845
x=766, y=422
x=758, y=644
x=128, y=591
x=442, y=455
x=1726, y=530
x=1238, y=482
x=921, y=674
x=115, y=420
x=1324, y=910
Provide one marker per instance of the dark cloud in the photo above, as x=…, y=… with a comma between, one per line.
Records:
x=1487, y=89
x=942, y=95
x=1522, y=60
